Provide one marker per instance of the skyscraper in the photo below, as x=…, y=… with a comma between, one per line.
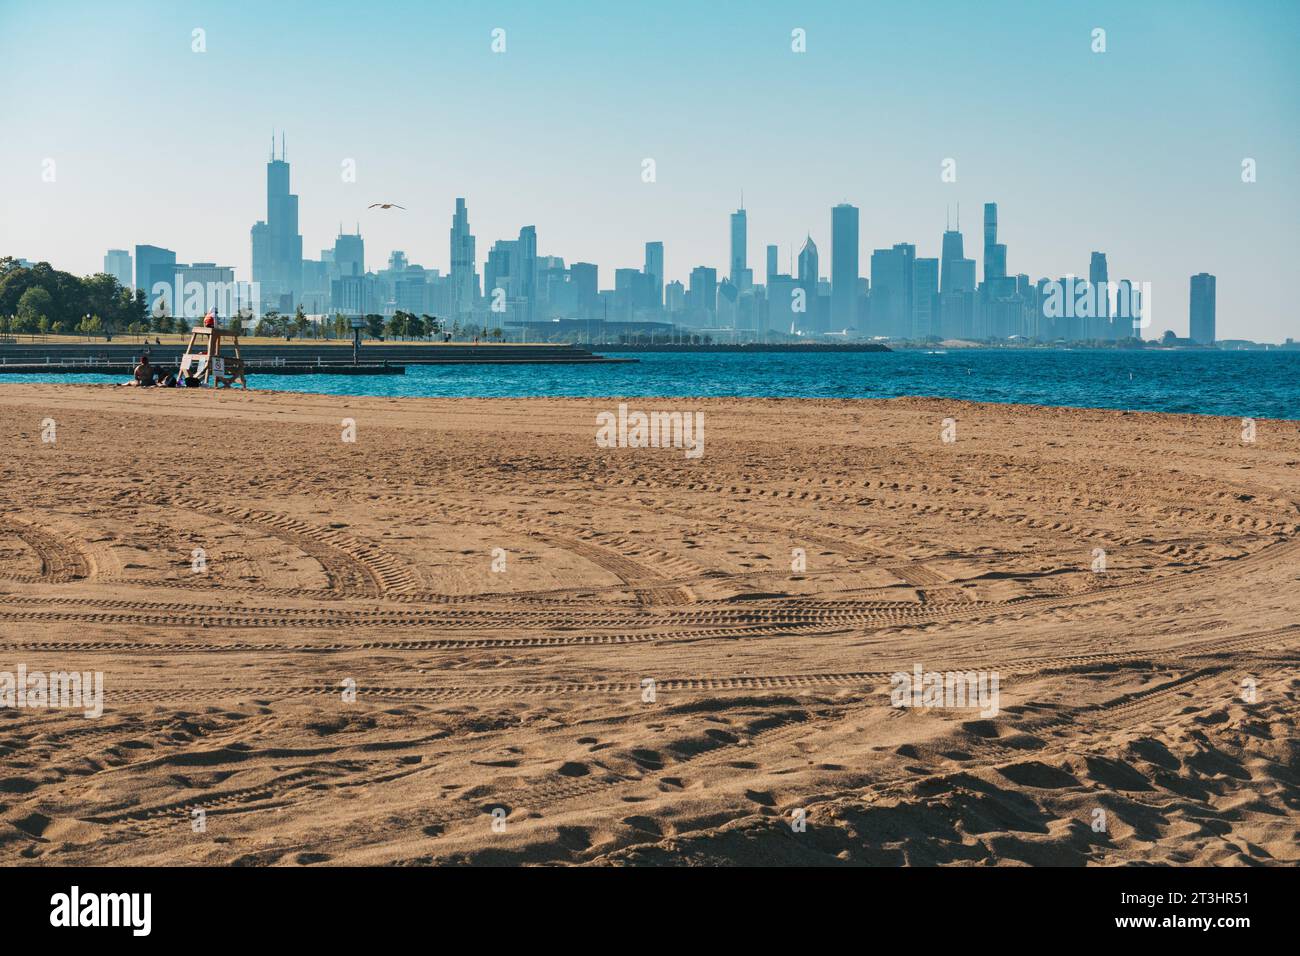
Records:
x=925, y=288
x=277, y=245
x=892, y=277
x=117, y=263
x=995, y=254
x=584, y=276
x=1128, y=310
x=810, y=320
x=1201, y=309
x=952, y=252
x=200, y=286
x=772, y=267
x=808, y=269
x=956, y=314
x=739, y=256
x=153, y=264
x=902, y=326
x=631, y=292
x=702, y=297
x=844, y=266
x=726, y=307
x=674, y=297
x=1099, y=287
x=350, y=254
x=654, y=269
x=501, y=282
x=886, y=290
x=780, y=303
x=352, y=292
x=464, y=280
x=528, y=271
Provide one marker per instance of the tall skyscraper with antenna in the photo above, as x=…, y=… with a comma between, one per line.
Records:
x=951, y=255
x=277, y=244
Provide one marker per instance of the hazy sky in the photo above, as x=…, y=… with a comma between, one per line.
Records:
x=1136, y=152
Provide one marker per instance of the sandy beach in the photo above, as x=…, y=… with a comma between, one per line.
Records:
x=474, y=635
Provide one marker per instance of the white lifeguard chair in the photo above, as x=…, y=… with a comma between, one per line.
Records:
x=203, y=359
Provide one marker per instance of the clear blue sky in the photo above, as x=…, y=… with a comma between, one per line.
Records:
x=1136, y=152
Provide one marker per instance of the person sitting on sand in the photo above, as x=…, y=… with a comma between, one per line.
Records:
x=143, y=373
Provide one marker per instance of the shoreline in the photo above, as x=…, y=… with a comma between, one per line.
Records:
x=947, y=401
x=34, y=358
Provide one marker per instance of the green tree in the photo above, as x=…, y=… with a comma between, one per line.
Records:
x=271, y=324
x=34, y=305
x=300, y=321
x=375, y=326
x=104, y=297
x=397, y=325
x=139, y=307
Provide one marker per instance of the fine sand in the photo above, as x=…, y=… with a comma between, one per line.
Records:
x=234, y=568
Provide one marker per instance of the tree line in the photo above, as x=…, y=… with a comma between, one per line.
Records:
x=42, y=300
x=406, y=326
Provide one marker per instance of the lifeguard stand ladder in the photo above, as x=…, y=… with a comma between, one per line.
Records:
x=203, y=358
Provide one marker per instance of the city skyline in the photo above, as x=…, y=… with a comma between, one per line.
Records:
x=568, y=158
x=913, y=297
x=902, y=298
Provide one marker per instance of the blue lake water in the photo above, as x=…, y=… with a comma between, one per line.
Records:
x=1254, y=384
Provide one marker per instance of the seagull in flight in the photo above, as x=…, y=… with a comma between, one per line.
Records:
x=386, y=205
